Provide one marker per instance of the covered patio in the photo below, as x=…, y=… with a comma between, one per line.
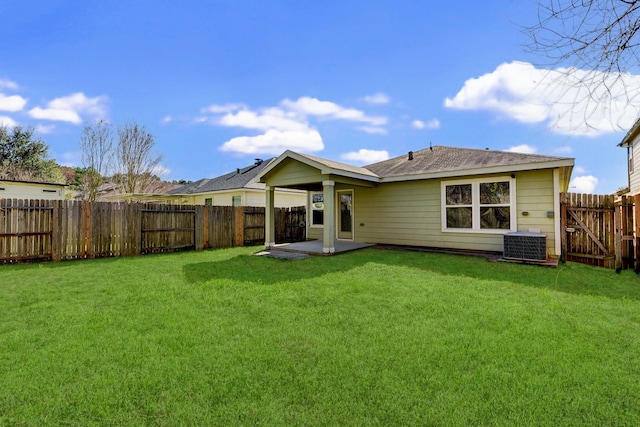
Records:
x=330, y=224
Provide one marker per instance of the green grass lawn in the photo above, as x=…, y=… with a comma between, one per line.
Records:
x=373, y=337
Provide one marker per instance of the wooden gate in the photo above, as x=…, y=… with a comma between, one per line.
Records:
x=593, y=229
x=588, y=228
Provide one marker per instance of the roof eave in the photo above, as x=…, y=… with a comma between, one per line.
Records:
x=481, y=171
x=631, y=135
x=324, y=170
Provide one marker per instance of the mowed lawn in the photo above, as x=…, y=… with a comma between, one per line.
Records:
x=373, y=337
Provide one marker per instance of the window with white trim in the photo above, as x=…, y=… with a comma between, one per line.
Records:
x=236, y=201
x=479, y=205
x=317, y=208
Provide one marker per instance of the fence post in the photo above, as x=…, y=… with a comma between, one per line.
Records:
x=636, y=231
x=55, y=230
x=199, y=227
x=563, y=227
x=205, y=226
x=239, y=226
x=617, y=227
x=85, y=228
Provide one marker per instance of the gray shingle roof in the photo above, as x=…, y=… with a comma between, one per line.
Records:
x=450, y=159
x=339, y=166
x=240, y=178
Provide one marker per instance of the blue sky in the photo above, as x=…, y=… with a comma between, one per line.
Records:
x=219, y=83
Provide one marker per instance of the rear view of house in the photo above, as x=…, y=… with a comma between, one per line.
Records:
x=441, y=197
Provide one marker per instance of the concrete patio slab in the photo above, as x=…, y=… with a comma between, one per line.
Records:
x=314, y=247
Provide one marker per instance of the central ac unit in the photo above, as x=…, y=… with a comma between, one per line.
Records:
x=524, y=245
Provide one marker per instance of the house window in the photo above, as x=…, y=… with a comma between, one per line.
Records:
x=208, y=201
x=236, y=201
x=481, y=205
x=631, y=159
x=317, y=209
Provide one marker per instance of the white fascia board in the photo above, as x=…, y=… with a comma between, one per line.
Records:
x=346, y=174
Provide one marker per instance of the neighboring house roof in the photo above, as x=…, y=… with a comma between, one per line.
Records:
x=631, y=135
x=441, y=161
x=33, y=182
x=241, y=178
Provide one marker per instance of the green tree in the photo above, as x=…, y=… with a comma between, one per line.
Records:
x=26, y=157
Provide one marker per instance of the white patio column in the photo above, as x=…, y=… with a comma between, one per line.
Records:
x=269, y=219
x=329, y=235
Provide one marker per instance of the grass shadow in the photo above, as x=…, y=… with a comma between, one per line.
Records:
x=265, y=270
x=571, y=278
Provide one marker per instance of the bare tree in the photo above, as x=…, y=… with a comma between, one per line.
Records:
x=96, y=143
x=595, y=45
x=136, y=162
x=598, y=35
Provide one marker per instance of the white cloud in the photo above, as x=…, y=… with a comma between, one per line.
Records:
x=562, y=98
x=226, y=108
x=71, y=108
x=373, y=130
x=275, y=142
x=365, y=156
x=8, y=84
x=8, y=122
x=272, y=118
x=160, y=170
x=286, y=126
x=431, y=124
x=12, y=102
x=377, y=99
x=166, y=120
x=307, y=106
x=45, y=129
x=523, y=148
x=583, y=184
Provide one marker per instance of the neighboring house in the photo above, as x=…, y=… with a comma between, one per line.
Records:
x=238, y=188
x=110, y=191
x=10, y=189
x=441, y=197
x=631, y=142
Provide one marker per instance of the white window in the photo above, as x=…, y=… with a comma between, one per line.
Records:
x=236, y=201
x=317, y=208
x=485, y=205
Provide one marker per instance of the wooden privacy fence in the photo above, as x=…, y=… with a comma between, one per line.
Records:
x=597, y=230
x=65, y=230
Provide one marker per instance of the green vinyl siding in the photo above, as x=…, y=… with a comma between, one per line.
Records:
x=409, y=213
x=291, y=173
